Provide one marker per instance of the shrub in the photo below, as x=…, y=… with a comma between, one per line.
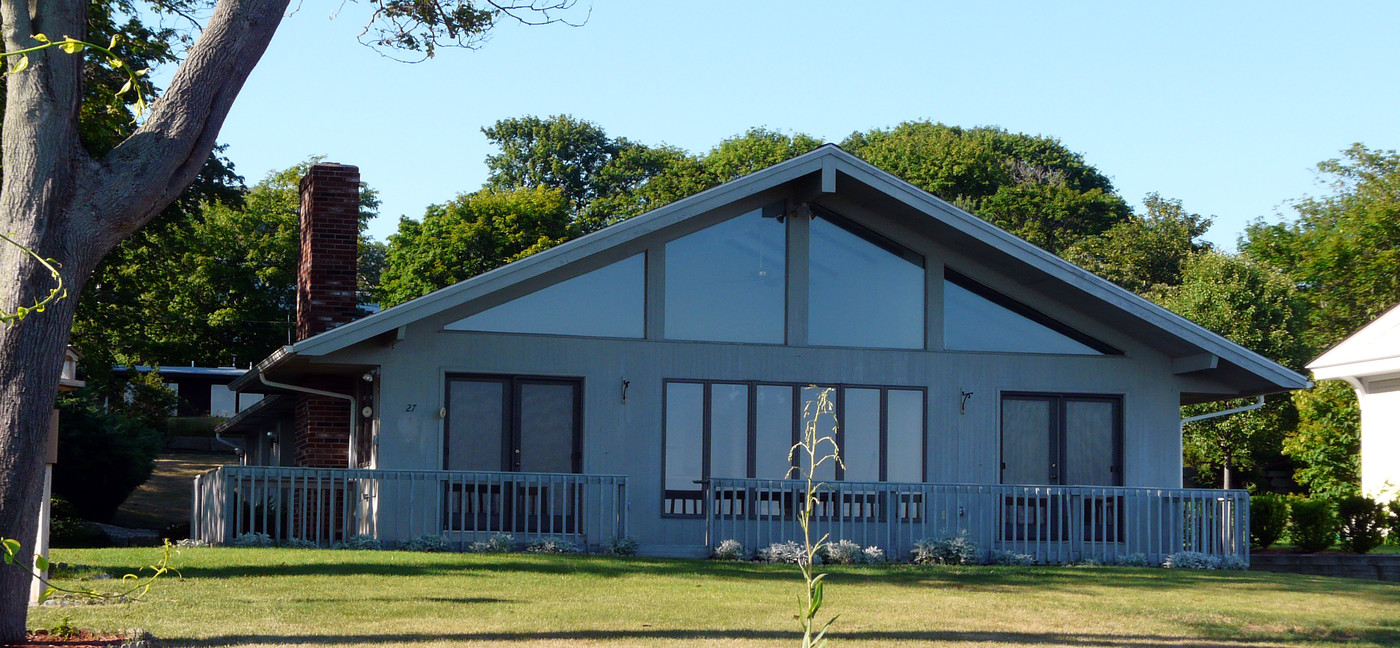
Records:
x=1268, y=518
x=730, y=549
x=102, y=457
x=298, y=543
x=552, y=546
x=1233, y=562
x=253, y=539
x=1010, y=558
x=1132, y=560
x=1311, y=524
x=874, y=555
x=789, y=553
x=955, y=550
x=1362, y=519
x=1191, y=560
x=1392, y=531
x=621, y=546
x=359, y=543
x=66, y=530
x=843, y=552
x=496, y=543
x=428, y=543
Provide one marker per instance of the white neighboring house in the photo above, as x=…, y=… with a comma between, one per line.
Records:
x=1370, y=361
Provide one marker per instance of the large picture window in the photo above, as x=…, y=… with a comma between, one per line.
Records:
x=977, y=318
x=719, y=429
x=863, y=290
x=728, y=282
x=607, y=302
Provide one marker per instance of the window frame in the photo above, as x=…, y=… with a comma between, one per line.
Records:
x=882, y=242
x=982, y=290
x=752, y=443
x=776, y=211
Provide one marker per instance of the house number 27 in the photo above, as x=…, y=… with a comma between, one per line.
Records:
x=411, y=407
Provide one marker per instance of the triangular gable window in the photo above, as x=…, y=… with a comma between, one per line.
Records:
x=607, y=302
x=864, y=290
x=976, y=318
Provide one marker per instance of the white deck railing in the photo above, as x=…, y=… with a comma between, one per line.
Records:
x=1054, y=524
x=326, y=506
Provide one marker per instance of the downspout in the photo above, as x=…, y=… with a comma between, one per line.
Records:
x=1181, y=429
x=354, y=411
x=242, y=458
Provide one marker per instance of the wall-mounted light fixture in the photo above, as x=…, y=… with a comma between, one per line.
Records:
x=962, y=405
x=625, y=384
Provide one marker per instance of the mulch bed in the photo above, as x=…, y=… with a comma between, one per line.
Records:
x=83, y=639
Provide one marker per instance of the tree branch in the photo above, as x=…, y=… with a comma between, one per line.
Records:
x=150, y=169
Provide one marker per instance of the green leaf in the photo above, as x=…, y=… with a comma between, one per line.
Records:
x=41, y=563
x=125, y=88
x=11, y=548
x=44, y=595
x=71, y=46
x=41, y=38
x=22, y=65
x=116, y=38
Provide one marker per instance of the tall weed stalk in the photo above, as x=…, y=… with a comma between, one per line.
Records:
x=811, y=447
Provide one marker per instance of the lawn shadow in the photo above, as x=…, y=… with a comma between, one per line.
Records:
x=972, y=579
x=925, y=636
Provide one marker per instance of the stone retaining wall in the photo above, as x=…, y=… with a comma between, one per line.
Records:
x=1385, y=567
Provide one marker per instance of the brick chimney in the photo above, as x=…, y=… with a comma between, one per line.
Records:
x=330, y=228
x=326, y=283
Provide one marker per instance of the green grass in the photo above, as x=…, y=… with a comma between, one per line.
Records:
x=269, y=597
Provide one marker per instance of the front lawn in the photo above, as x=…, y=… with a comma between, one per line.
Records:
x=269, y=597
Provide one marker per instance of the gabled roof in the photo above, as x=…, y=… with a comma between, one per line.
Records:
x=1371, y=351
x=1176, y=336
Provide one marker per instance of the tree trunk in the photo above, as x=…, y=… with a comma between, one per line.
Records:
x=31, y=355
x=63, y=205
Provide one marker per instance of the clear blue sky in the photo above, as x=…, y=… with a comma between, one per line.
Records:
x=1227, y=106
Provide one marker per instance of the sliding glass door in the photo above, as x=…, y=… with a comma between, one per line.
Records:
x=513, y=424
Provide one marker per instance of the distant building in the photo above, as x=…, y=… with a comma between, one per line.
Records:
x=202, y=391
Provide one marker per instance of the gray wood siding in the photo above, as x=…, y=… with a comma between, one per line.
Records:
x=625, y=438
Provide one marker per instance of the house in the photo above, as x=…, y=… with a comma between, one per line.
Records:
x=1369, y=361
x=203, y=392
x=649, y=379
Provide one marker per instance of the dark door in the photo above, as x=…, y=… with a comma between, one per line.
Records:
x=513, y=424
x=1052, y=439
x=1061, y=439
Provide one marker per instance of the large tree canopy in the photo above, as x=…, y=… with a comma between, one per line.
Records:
x=1342, y=252
x=1343, y=249
x=470, y=235
x=70, y=195
x=1255, y=308
x=1032, y=186
x=211, y=284
x=1147, y=252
